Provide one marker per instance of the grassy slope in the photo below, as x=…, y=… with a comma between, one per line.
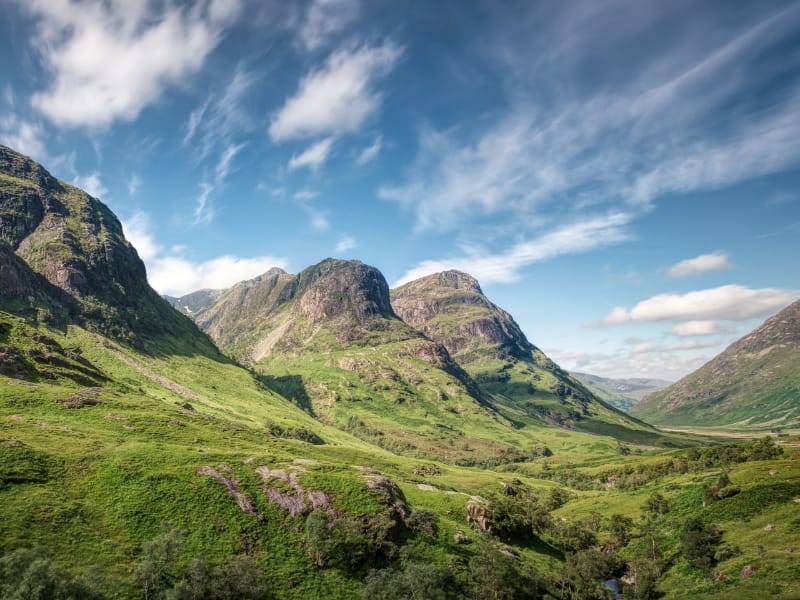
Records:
x=98, y=481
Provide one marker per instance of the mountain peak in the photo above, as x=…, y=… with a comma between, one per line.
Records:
x=346, y=289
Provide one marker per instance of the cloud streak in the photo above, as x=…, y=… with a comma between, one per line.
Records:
x=504, y=267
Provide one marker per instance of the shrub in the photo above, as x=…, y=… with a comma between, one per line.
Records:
x=698, y=543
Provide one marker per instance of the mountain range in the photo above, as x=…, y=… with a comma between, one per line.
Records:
x=319, y=435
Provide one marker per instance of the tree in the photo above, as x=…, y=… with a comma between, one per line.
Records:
x=29, y=574
x=156, y=569
x=495, y=575
x=620, y=528
x=699, y=541
x=416, y=580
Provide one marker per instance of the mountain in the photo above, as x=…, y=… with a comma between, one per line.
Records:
x=196, y=302
x=451, y=308
x=623, y=394
x=76, y=244
x=137, y=461
x=753, y=384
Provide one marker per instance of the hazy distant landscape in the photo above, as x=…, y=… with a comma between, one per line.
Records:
x=334, y=299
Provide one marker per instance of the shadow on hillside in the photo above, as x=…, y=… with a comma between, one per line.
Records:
x=290, y=387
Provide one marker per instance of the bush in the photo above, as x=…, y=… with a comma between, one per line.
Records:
x=571, y=537
x=423, y=521
x=417, y=580
x=584, y=572
x=698, y=543
x=27, y=574
x=620, y=528
x=494, y=574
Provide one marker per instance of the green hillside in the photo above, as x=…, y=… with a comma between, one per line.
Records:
x=754, y=384
x=138, y=461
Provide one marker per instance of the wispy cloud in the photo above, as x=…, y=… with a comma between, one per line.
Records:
x=345, y=243
x=134, y=183
x=337, y=98
x=323, y=20
x=685, y=122
x=370, y=152
x=109, y=60
x=204, y=209
x=92, y=184
x=23, y=136
x=504, y=267
x=705, y=263
x=312, y=157
x=728, y=302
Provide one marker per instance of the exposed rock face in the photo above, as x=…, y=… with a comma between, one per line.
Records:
x=428, y=302
x=344, y=290
x=196, y=302
x=755, y=380
x=76, y=243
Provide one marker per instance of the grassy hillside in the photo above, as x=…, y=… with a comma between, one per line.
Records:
x=753, y=385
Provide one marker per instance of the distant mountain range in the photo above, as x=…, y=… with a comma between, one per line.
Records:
x=623, y=394
x=753, y=384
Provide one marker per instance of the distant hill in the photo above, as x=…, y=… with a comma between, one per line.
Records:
x=753, y=384
x=623, y=394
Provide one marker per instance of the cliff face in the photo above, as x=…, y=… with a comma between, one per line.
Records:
x=76, y=244
x=754, y=382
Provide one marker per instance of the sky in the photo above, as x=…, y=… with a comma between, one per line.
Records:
x=622, y=176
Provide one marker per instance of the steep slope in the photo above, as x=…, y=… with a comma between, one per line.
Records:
x=623, y=394
x=754, y=383
x=450, y=308
x=76, y=244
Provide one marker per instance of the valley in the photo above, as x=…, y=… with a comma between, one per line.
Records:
x=321, y=435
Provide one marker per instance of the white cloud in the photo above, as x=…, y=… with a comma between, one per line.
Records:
x=705, y=263
x=312, y=157
x=504, y=267
x=697, y=329
x=204, y=210
x=728, y=302
x=345, y=243
x=92, y=184
x=172, y=273
x=109, y=60
x=370, y=152
x=339, y=97
x=138, y=232
x=23, y=136
x=134, y=183
x=176, y=275
x=661, y=364
x=324, y=19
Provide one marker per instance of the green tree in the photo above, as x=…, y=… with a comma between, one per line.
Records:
x=495, y=575
x=156, y=570
x=698, y=542
x=415, y=581
x=29, y=574
x=620, y=528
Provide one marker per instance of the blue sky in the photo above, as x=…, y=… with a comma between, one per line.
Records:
x=621, y=176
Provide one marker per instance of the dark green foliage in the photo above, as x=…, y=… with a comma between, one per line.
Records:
x=657, y=504
x=698, y=542
x=416, y=580
x=238, y=578
x=572, y=537
x=620, y=528
x=423, y=521
x=584, y=572
x=348, y=543
x=157, y=568
x=30, y=575
x=277, y=430
x=517, y=512
x=495, y=574
x=753, y=500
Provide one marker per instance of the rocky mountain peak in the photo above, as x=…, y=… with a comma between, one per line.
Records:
x=450, y=308
x=346, y=289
